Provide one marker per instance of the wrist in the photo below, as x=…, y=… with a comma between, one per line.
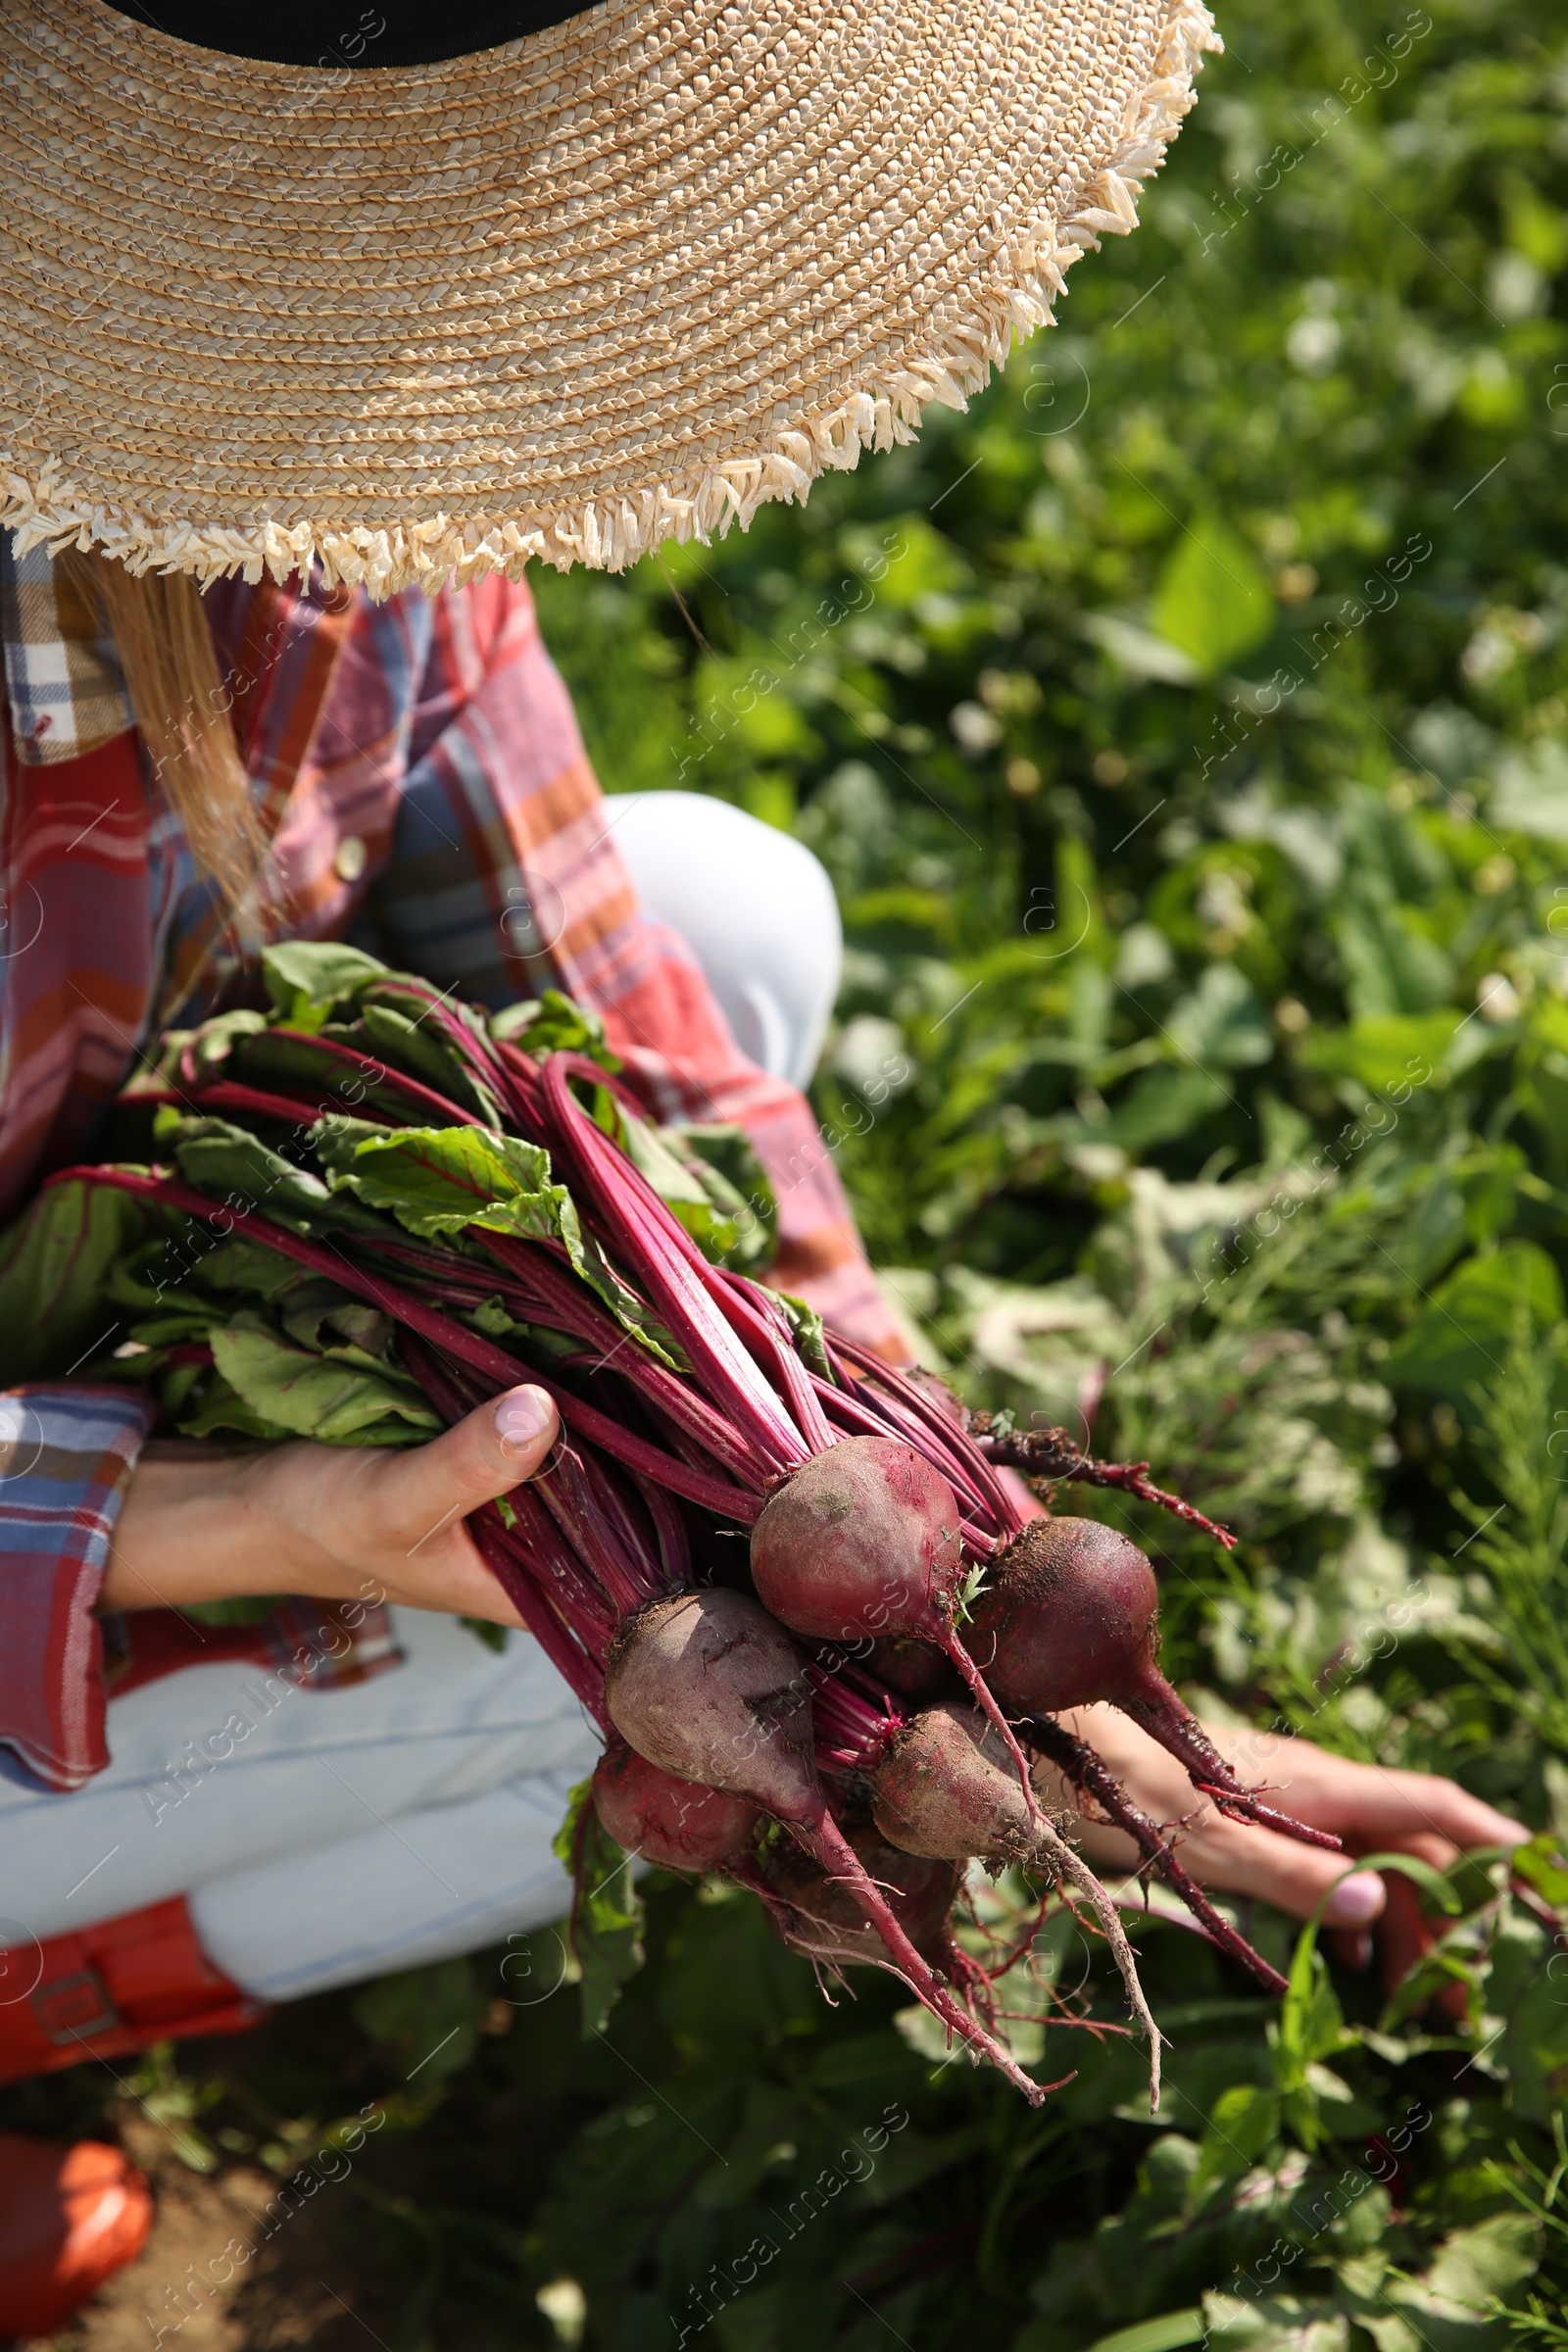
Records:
x=202, y=1523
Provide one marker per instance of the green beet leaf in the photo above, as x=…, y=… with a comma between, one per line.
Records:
x=687, y=1168
x=234, y=1166
x=55, y=1263
x=425, y=1053
x=307, y=977
x=725, y=1159
x=313, y=1395
x=240, y=1264
x=440, y=1179
x=214, y=1409
x=303, y=1066
x=809, y=1332
x=552, y=1024
x=606, y=1927
x=212, y=1045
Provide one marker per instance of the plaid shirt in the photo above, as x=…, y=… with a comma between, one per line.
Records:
x=418, y=769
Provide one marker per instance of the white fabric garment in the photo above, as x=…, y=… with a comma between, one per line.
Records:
x=338, y=1832
x=341, y=1833
x=757, y=909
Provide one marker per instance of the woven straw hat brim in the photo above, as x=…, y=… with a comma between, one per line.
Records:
x=619, y=282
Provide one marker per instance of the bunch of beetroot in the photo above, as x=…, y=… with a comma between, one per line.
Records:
x=825, y=1640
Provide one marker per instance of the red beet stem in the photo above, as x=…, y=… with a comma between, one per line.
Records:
x=899, y=1404
x=520, y=1085
x=655, y=1246
x=226, y=1094
x=578, y=1670
x=1094, y=1777
x=858, y=1411
x=469, y=1347
x=364, y=1065
x=538, y=1544
x=940, y=1440
x=851, y=1732
x=761, y=1322
x=584, y=1517
x=1151, y=1702
x=534, y=1545
x=669, y=1530
x=565, y=1306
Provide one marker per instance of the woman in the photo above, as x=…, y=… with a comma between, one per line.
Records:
x=351, y=347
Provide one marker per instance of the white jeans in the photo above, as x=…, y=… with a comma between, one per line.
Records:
x=347, y=1832
x=757, y=909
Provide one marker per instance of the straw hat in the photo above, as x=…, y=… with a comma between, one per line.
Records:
x=621, y=279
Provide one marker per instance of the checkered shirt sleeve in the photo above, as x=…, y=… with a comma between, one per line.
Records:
x=63, y=676
x=65, y=1458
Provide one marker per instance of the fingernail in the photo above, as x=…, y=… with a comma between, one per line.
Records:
x=520, y=1417
x=1357, y=1900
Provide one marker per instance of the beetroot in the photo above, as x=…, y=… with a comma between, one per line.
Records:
x=711, y=1688
x=937, y=1391
x=817, y=1914
x=943, y=1791
x=1069, y=1616
x=914, y=1668
x=865, y=1539
x=706, y=1686
x=869, y=1538
x=694, y=1405
x=679, y=1825
x=939, y=1791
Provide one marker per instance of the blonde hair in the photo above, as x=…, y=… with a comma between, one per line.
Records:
x=181, y=709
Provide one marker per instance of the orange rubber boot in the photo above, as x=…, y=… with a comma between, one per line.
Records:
x=69, y=2218
x=108, y=1991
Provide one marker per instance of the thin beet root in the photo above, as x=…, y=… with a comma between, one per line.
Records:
x=679, y=1825
x=1094, y=1777
x=943, y=1791
x=1071, y=1617
x=1043, y=1454
x=867, y=1539
x=819, y=1916
x=711, y=1688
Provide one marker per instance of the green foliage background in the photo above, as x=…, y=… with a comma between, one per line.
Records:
x=1184, y=729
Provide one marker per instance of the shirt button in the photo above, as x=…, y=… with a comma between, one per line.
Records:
x=351, y=857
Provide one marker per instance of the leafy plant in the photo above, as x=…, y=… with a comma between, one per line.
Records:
x=1182, y=728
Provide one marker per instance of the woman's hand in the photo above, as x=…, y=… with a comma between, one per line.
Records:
x=207, y=1523
x=1374, y=1810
